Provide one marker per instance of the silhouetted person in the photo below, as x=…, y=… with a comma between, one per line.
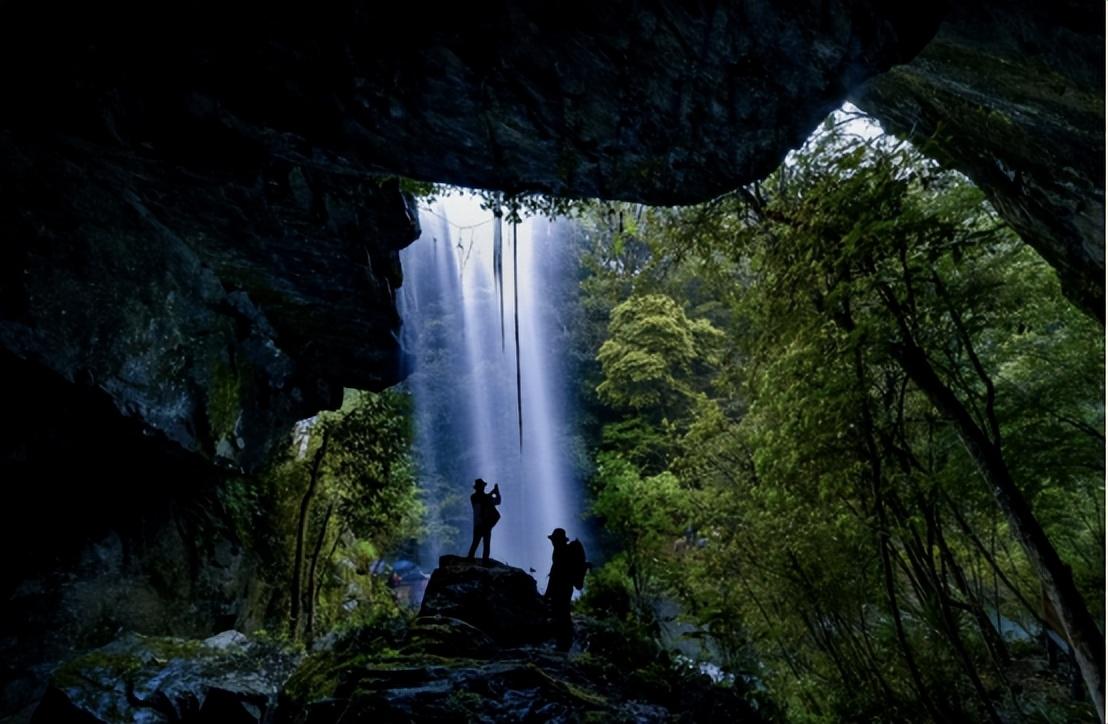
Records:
x=485, y=516
x=559, y=589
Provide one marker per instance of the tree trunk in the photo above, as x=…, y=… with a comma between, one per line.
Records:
x=1081, y=630
x=302, y=531
x=876, y=475
x=309, y=617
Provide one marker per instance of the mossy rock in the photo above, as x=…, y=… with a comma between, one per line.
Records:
x=449, y=637
x=226, y=678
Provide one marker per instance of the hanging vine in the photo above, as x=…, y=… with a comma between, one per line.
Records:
x=498, y=262
x=516, y=203
x=515, y=287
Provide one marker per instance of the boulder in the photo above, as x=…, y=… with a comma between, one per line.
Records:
x=225, y=678
x=500, y=600
x=412, y=676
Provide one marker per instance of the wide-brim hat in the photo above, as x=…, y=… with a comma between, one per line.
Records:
x=479, y=483
x=558, y=534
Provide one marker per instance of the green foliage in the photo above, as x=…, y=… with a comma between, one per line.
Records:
x=648, y=357
x=224, y=401
x=368, y=469
x=423, y=191
x=646, y=513
x=773, y=467
x=516, y=206
x=364, y=506
x=609, y=594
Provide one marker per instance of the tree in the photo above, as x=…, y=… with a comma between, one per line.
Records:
x=890, y=346
x=649, y=356
x=344, y=486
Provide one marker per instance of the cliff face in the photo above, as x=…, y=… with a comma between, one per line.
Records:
x=215, y=305
x=1012, y=95
x=195, y=215
x=194, y=211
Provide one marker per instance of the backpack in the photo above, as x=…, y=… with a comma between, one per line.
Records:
x=578, y=565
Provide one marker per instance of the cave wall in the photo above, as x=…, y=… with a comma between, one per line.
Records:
x=1012, y=95
x=106, y=529
x=216, y=304
x=211, y=188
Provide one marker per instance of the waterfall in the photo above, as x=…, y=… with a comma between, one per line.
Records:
x=463, y=381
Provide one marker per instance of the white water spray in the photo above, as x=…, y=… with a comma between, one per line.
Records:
x=463, y=380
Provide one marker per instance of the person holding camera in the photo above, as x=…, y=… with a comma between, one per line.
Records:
x=485, y=516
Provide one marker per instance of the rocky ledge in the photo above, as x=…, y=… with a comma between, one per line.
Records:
x=490, y=660
x=225, y=678
x=495, y=668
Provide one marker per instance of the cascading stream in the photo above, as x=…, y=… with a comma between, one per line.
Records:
x=463, y=381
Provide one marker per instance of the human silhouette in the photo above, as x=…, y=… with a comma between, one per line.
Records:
x=485, y=516
x=559, y=589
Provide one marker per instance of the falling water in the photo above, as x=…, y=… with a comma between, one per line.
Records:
x=463, y=381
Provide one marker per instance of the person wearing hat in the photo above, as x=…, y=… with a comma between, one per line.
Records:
x=559, y=589
x=485, y=516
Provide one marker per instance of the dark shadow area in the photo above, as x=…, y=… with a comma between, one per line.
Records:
x=104, y=528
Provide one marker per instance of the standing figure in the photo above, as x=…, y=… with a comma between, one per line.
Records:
x=485, y=516
x=565, y=569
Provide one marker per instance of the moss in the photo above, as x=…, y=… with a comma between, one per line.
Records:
x=315, y=680
x=120, y=666
x=464, y=703
x=167, y=648
x=224, y=401
x=1027, y=79
x=570, y=691
x=125, y=661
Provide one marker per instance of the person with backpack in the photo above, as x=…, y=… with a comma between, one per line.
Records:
x=567, y=571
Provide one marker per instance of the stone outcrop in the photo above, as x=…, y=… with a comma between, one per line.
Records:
x=1012, y=95
x=214, y=307
x=529, y=685
x=225, y=678
x=447, y=669
x=499, y=600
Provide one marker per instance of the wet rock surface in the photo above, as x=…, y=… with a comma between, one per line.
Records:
x=213, y=307
x=105, y=531
x=225, y=678
x=529, y=685
x=436, y=668
x=1012, y=95
x=445, y=669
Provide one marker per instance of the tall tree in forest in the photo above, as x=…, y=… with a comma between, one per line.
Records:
x=890, y=346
